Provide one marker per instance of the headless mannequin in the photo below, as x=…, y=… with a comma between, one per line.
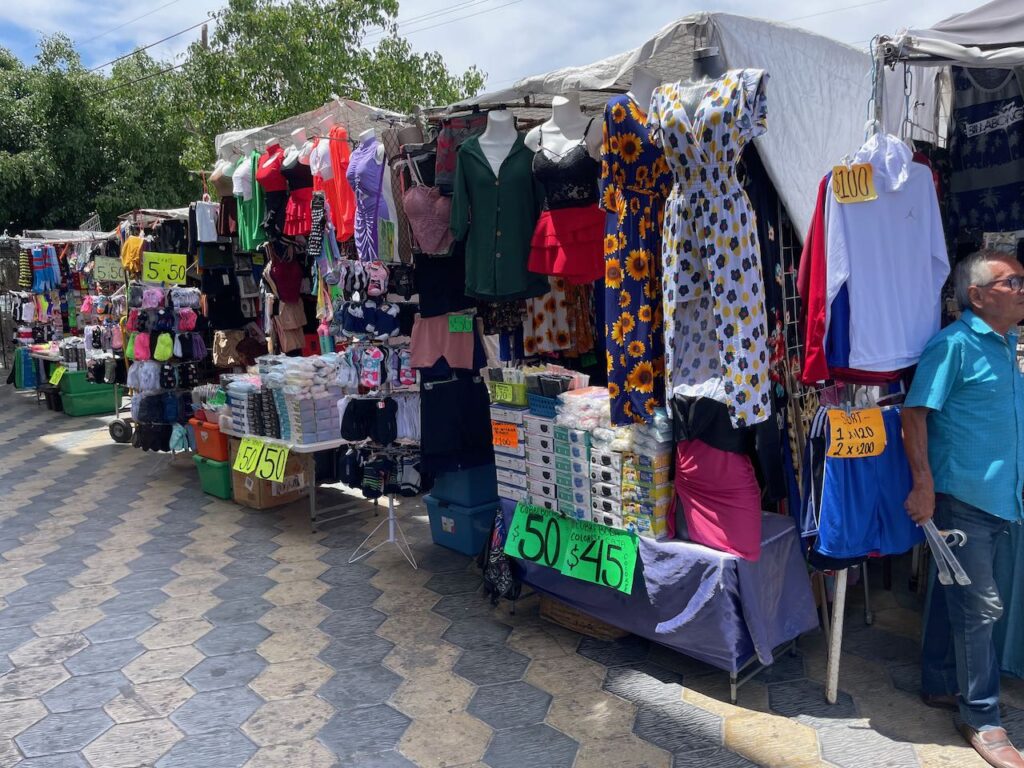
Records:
x=497, y=139
x=707, y=67
x=291, y=155
x=268, y=144
x=566, y=128
x=365, y=136
x=643, y=85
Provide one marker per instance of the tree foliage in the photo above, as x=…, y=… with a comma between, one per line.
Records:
x=74, y=142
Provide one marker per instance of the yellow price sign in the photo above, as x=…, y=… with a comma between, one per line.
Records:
x=57, y=374
x=248, y=456
x=164, y=267
x=505, y=434
x=106, y=269
x=273, y=460
x=503, y=393
x=854, y=183
x=857, y=434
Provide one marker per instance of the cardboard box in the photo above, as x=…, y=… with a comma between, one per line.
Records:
x=538, y=425
x=508, y=477
x=501, y=461
x=511, y=415
x=250, y=491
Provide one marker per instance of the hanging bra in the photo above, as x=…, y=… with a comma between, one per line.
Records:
x=429, y=215
x=570, y=180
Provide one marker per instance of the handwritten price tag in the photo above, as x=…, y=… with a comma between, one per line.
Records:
x=267, y=461
x=57, y=374
x=272, y=463
x=106, y=269
x=503, y=392
x=164, y=267
x=505, y=434
x=248, y=456
x=579, y=549
x=857, y=434
x=460, y=323
x=854, y=184
x=601, y=555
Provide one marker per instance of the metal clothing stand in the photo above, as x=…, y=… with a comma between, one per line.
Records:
x=396, y=536
x=834, y=633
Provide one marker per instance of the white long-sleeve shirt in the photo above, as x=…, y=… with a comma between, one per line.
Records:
x=891, y=255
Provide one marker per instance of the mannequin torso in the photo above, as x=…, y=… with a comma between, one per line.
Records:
x=566, y=128
x=273, y=158
x=643, y=85
x=291, y=155
x=368, y=134
x=497, y=139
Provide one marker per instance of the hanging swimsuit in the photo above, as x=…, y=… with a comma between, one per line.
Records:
x=429, y=214
x=568, y=239
x=298, y=218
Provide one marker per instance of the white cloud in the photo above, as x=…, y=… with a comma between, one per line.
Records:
x=506, y=38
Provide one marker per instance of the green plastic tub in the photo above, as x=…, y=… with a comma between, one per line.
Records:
x=214, y=476
x=89, y=403
x=75, y=383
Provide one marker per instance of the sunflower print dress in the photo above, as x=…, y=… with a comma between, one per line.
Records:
x=712, y=287
x=635, y=180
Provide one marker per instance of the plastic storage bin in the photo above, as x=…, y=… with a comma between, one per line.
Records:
x=464, y=529
x=468, y=487
x=214, y=476
x=89, y=403
x=210, y=441
x=76, y=383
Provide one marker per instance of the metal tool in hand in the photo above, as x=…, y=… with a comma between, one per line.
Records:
x=949, y=567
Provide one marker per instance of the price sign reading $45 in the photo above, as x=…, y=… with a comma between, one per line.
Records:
x=579, y=549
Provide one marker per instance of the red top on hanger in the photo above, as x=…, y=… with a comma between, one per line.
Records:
x=268, y=170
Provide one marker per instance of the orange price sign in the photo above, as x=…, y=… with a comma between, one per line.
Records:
x=854, y=184
x=857, y=434
x=505, y=434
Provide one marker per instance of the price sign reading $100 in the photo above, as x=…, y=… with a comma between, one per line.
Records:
x=857, y=434
x=577, y=548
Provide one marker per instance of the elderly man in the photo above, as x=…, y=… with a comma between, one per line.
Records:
x=963, y=427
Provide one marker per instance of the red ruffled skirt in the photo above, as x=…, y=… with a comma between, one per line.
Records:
x=569, y=243
x=298, y=214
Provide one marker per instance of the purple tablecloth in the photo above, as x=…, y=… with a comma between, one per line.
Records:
x=713, y=606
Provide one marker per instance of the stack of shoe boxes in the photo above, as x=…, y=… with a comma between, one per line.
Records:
x=510, y=461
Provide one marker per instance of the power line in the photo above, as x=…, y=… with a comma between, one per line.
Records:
x=130, y=21
x=150, y=45
x=460, y=18
x=836, y=10
x=139, y=79
x=428, y=16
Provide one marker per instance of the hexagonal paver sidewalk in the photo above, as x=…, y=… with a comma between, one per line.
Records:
x=145, y=623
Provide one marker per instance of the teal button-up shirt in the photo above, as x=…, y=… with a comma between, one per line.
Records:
x=968, y=376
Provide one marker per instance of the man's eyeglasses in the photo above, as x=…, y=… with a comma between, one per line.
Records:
x=1015, y=283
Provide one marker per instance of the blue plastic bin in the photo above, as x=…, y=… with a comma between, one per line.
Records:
x=467, y=487
x=464, y=529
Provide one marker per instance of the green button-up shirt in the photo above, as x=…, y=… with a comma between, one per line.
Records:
x=496, y=216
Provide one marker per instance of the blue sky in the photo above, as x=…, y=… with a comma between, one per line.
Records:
x=506, y=38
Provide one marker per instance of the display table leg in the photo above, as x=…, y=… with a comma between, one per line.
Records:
x=835, y=645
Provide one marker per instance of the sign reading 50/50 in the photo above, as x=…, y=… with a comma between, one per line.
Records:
x=164, y=267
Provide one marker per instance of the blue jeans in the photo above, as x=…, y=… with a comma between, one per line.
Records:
x=957, y=654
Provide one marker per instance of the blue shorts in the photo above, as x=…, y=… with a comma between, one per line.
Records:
x=862, y=499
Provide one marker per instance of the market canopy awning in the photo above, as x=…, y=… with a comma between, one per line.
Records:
x=817, y=94
x=353, y=115
x=41, y=236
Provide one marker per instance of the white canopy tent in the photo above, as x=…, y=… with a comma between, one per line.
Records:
x=991, y=35
x=817, y=95
x=353, y=115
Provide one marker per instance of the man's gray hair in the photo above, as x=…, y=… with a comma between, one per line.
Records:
x=975, y=270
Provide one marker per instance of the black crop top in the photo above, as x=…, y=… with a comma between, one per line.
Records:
x=298, y=176
x=569, y=181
